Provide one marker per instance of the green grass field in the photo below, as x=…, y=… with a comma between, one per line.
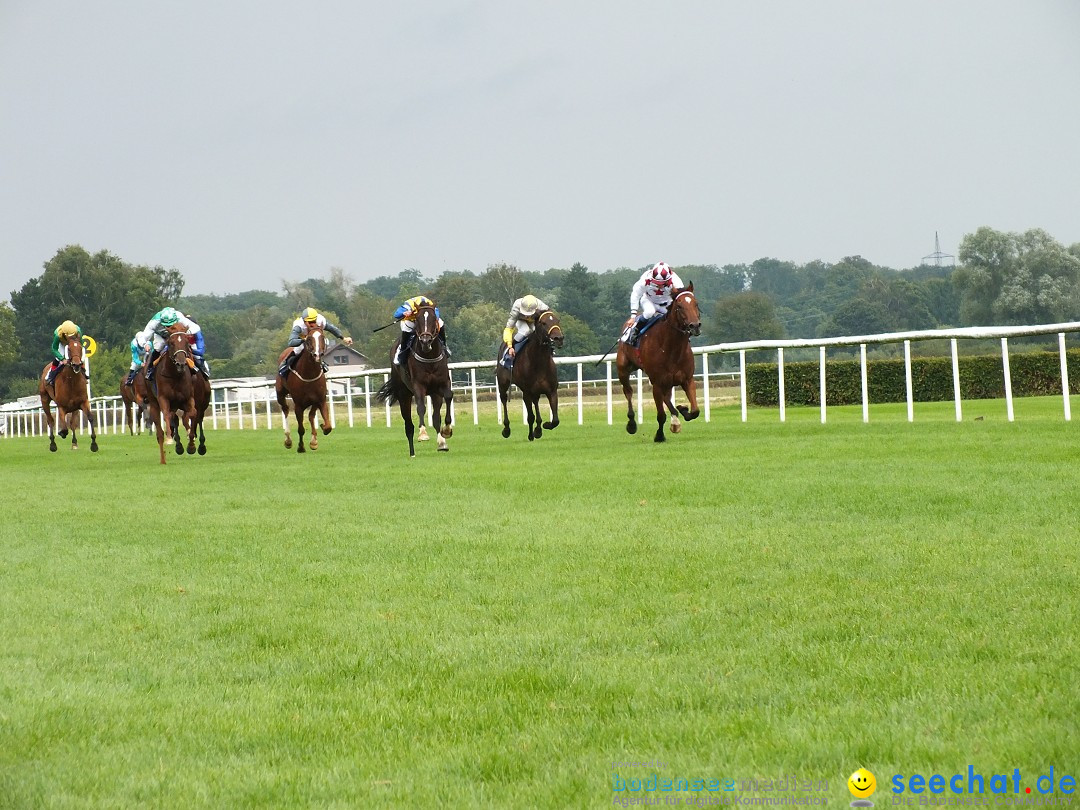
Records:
x=497, y=626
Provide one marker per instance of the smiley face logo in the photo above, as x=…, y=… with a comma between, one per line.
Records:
x=862, y=783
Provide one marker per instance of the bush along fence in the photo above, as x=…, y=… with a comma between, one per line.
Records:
x=1035, y=374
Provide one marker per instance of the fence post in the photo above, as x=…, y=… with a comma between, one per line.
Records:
x=956, y=382
x=1064, y=377
x=1008, y=377
x=907, y=381
x=865, y=384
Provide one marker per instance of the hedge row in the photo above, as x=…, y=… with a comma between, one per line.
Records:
x=981, y=377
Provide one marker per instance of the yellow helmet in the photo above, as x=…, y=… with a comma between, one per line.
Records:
x=310, y=315
x=68, y=328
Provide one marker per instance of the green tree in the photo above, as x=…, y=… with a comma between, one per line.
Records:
x=9, y=347
x=476, y=332
x=579, y=297
x=453, y=291
x=744, y=316
x=107, y=297
x=502, y=284
x=1013, y=278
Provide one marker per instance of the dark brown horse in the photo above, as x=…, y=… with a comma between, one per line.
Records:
x=306, y=384
x=664, y=354
x=424, y=373
x=533, y=372
x=70, y=391
x=134, y=406
x=173, y=391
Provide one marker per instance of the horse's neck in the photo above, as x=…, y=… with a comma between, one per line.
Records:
x=667, y=333
x=307, y=360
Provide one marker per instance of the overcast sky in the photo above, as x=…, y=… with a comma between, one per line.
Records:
x=244, y=142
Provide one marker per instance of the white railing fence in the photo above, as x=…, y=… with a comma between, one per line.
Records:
x=253, y=405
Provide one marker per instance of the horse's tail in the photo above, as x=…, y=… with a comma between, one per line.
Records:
x=388, y=393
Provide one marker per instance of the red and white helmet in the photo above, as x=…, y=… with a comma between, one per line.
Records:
x=660, y=275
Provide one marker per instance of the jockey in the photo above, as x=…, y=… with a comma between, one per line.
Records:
x=152, y=338
x=651, y=297
x=60, y=335
x=524, y=314
x=406, y=315
x=198, y=349
x=309, y=319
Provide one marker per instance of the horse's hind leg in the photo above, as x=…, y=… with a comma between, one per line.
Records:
x=202, y=440
x=405, y=404
x=447, y=429
x=553, y=404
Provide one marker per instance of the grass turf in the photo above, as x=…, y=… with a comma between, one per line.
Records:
x=496, y=626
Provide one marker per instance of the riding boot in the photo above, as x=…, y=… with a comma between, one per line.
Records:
x=406, y=343
x=286, y=367
x=442, y=337
x=131, y=377
x=506, y=361
x=52, y=374
x=150, y=366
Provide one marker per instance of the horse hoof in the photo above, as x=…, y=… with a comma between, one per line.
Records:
x=288, y=443
x=191, y=450
x=62, y=434
x=631, y=428
x=93, y=447
x=444, y=449
x=532, y=436
x=422, y=435
x=74, y=447
x=301, y=449
x=179, y=449
x=52, y=446
x=691, y=415
x=659, y=437
x=447, y=432
x=506, y=433
x=550, y=425
x=202, y=449
x=325, y=431
x=676, y=427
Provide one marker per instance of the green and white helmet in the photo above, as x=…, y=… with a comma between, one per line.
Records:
x=168, y=316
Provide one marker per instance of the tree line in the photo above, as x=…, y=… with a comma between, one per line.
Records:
x=1002, y=278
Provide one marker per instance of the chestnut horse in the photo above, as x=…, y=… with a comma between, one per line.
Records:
x=200, y=391
x=69, y=390
x=175, y=392
x=533, y=372
x=424, y=373
x=306, y=384
x=664, y=354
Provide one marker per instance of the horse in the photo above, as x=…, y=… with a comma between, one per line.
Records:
x=306, y=384
x=533, y=372
x=664, y=354
x=201, y=394
x=69, y=390
x=175, y=392
x=424, y=373
x=134, y=406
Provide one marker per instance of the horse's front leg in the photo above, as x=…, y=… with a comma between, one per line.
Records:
x=532, y=416
x=315, y=409
x=283, y=403
x=442, y=430
x=421, y=413
x=660, y=397
x=189, y=427
x=165, y=408
x=62, y=421
x=689, y=386
x=553, y=404
x=158, y=428
x=93, y=426
x=628, y=392
x=324, y=414
x=504, y=398
x=448, y=427
x=299, y=414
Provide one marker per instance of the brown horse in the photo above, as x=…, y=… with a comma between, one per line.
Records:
x=424, y=373
x=174, y=392
x=664, y=354
x=69, y=390
x=306, y=384
x=533, y=372
x=200, y=391
x=134, y=407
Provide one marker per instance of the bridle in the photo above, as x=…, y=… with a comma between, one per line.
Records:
x=427, y=330
x=683, y=323
x=179, y=350
x=313, y=345
x=552, y=331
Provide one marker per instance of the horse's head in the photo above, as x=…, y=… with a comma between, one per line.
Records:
x=687, y=315
x=74, y=349
x=177, y=346
x=548, y=324
x=427, y=326
x=315, y=342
